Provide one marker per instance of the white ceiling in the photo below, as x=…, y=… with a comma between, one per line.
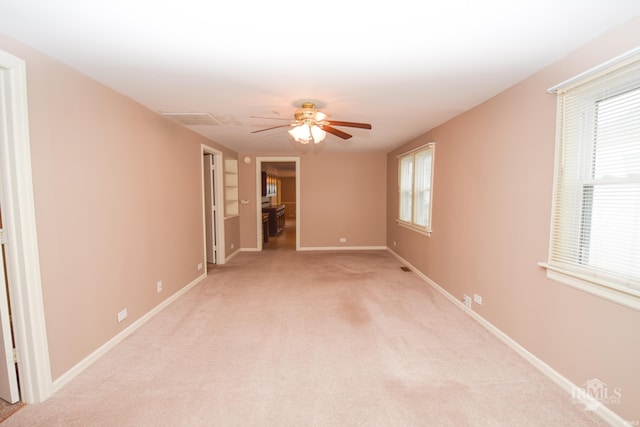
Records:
x=404, y=66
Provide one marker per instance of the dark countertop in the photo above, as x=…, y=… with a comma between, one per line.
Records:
x=272, y=208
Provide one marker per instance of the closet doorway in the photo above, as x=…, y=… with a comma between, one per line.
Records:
x=213, y=215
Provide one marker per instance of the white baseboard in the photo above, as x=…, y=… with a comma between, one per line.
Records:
x=65, y=378
x=343, y=248
x=606, y=414
x=329, y=248
x=237, y=251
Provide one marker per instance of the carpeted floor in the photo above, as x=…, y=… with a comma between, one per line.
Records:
x=310, y=339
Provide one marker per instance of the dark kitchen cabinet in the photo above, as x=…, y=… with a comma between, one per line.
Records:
x=276, y=219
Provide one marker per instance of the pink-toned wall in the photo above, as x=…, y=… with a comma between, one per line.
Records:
x=118, y=199
x=341, y=195
x=288, y=185
x=491, y=215
x=232, y=235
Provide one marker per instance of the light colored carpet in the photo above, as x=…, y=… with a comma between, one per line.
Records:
x=310, y=339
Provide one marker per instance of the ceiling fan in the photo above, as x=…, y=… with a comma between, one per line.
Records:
x=312, y=125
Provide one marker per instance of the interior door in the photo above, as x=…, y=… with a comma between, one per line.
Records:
x=9, y=390
x=210, y=207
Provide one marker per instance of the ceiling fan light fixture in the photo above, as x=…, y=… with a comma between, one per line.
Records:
x=310, y=125
x=307, y=132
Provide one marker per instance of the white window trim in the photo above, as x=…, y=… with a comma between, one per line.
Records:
x=597, y=71
x=410, y=225
x=594, y=286
x=417, y=229
x=587, y=282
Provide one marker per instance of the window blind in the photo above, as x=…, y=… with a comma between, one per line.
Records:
x=422, y=187
x=406, y=188
x=415, y=176
x=596, y=216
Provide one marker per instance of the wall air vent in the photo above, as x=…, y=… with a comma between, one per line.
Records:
x=192, y=119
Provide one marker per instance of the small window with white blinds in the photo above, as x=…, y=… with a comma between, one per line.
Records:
x=415, y=178
x=595, y=229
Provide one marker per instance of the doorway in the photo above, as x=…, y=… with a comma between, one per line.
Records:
x=278, y=212
x=21, y=246
x=213, y=210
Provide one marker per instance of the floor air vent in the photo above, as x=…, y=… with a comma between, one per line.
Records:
x=403, y=268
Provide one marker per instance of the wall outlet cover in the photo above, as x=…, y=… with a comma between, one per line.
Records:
x=466, y=300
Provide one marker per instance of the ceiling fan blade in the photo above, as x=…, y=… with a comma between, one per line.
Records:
x=270, y=118
x=274, y=127
x=336, y=132
x=349, y=124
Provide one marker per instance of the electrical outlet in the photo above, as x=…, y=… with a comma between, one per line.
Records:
x=199, y=266
x=466, y=300
x=394, y=243
x=159, y=286
x=343, y=240
x=122, y=315
x=477, y=299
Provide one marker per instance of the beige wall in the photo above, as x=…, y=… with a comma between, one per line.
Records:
x=288, y=198
x=341, y=195
x=118, y=199
x=491, y=211
x=232, y=236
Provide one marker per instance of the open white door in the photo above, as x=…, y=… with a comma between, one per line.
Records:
x=9, y=390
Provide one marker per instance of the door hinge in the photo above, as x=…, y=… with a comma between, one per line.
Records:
x=3, y=237
x=15, y=355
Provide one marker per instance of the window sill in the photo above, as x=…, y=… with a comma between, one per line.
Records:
x=414, y=228
x=594, y=286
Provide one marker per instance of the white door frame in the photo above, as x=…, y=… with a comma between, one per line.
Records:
x=23, y=262
x=218, y=194
x=259, y=161
x=9, y=389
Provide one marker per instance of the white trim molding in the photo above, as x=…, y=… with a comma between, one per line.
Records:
x=18, y=211
x=590, y=402
x=412, y=227
x=236, y=252
x=343, y=248
x=624, y=296
x=65, y=378
x=249, y=250
x=598, y=70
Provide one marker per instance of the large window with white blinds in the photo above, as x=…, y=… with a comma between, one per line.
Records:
x=415, y=175
x=595, y=235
